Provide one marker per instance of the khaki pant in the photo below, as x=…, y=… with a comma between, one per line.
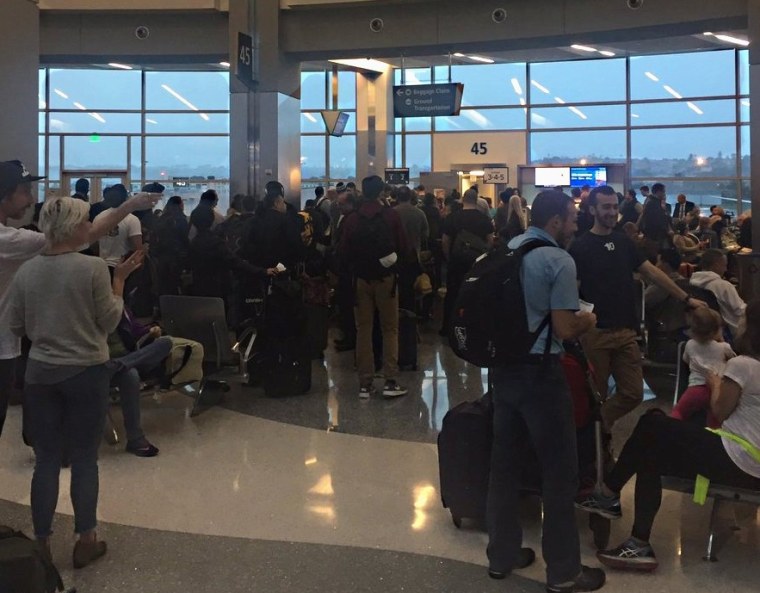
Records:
x=616, y=353
x=383, y=295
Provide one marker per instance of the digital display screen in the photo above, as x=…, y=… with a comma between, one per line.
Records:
x=552, y=176
x=593, y=176
x=340, y=125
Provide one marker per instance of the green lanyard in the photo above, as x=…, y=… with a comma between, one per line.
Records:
x=702, y=484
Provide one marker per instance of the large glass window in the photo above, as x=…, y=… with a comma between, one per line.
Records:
x=580, y=81
x=598, y=146
x=418, y=154
x=327, y=159
x=744, y=72
x=683, y=112
x=183, y=91
x=487, y=84
x=482, y=119
x=684, y=152
x=702, y=74
x=95, y=89
x=99, y=120
x=569, y=116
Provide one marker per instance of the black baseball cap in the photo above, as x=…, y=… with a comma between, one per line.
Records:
x=13, y=174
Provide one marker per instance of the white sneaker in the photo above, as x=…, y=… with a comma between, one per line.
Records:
x=366, y=392
x=393, y=389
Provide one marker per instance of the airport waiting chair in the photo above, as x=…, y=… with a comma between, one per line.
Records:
x=204, y=320
x=720, y=494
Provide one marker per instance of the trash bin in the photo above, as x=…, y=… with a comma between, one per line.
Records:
x=749, y=275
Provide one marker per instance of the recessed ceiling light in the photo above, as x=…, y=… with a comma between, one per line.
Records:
x=672, y=91
x=583, y=48
x=516, y=86
x=60, y=94
x=482, y=59
x=539, y=86
x=120, y=66
x=732, y=39
x=651, y=76
x=578, y=112
x=607, y=53
x=458, y=55
x=694, y=108
x=745, y=102
x=635, y=115
x=224, y=64
x=559, y=100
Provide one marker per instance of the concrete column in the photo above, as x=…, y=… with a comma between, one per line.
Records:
x=265, y=121
x=19, y=64
x=374, y=124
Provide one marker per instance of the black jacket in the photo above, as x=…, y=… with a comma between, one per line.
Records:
x=211, y=262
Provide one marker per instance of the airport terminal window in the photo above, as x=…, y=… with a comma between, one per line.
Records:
x=183, y=123
x=743, y=72
x=594, y=81
x=103, y=153
x=586, y=116
x=487, y=84
x=326, y=159
x=66, y=122
x=313, y=158
x=596, y=146
x=418, y=154
x=184, y=91
x=346, y=90
x=701, y=74
x=343, y=157
x=180, y=117
x=683, y=113
x=703, y=193
x=204, y=157
x=313, y=90
x=95, y=89
x=697, y=136
x=746, y=170
x=483, y=119
x=684, y=152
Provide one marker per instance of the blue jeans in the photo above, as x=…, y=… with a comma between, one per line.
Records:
x=532, y=403
x=126, y=376
x=67, y=414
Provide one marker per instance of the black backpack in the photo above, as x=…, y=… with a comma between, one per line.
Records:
x=24, y=567
x=467, y=248
x=374, y=240
x=489, y=325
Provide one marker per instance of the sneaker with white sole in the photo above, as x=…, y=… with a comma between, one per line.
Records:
x=393, y=389
x=367, y=391
x=632, y=554
x=598, y=504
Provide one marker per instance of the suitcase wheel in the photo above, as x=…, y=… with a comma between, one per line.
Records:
x=600, y=527
x=457, y=521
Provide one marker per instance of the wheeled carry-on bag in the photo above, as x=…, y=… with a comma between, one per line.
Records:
x=465, y=440
x=289, y=370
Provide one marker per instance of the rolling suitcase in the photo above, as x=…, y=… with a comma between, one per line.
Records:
x=464, y=458
x=407, y=340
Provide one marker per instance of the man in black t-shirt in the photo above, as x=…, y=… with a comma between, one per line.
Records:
x=606, y=261
x=479, y=230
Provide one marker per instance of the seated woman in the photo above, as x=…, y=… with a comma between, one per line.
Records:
x=130, y=362
x=688, y=245
x=663, y=446
x=67, y=305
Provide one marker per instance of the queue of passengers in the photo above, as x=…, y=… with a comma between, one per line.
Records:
x=373, y=252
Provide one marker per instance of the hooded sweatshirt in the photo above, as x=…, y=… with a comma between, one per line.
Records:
x=731, y=304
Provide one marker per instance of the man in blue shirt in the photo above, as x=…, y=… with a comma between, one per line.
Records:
x=532, y=402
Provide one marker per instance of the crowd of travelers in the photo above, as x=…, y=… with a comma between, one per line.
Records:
x=370, y=252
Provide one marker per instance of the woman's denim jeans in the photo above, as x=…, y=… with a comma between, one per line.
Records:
x=67, y=415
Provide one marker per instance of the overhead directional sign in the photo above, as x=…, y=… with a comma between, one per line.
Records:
x=424, y=100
